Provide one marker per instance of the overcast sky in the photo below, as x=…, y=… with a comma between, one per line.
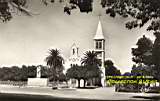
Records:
x=26, y=40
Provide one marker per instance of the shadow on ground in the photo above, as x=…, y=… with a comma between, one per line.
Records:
x=87, y=87
x=152, y=98
x=25, y=97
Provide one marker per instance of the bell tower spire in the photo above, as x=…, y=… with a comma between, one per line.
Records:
x=99, y=48
x=99, y=33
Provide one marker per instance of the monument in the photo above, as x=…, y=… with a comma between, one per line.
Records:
x=38, y=81
x=38, y=72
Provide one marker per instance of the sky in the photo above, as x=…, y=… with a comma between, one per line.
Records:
x=26, y=40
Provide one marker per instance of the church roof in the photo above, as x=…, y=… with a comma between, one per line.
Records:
x=74, y=45
x=99, y=33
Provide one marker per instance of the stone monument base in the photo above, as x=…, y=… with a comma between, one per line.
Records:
x=41, y=82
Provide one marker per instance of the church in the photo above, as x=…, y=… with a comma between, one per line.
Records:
x=74, y=58
x=99, y=48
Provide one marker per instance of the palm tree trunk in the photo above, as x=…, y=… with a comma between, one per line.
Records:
x=78, y=83
x=84, y=83
x=57, y=80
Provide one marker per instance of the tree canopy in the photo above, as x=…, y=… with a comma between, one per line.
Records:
x=143, y=53
x=91, y=63
x=16, y=73
x=55, y=62
x=146, y=56
x=140, y=10
x=76, y=72
x=110, y=69
x=88, y=70
x=90, y=59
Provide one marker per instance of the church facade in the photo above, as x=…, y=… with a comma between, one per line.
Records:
x=74, y=58
x=99, y=48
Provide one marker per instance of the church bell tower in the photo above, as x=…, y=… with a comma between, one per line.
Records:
x=99, y=48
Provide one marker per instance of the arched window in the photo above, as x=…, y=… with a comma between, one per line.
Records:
x=73, y=51
x=98, y=44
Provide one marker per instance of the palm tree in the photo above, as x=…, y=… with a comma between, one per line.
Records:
x=92, y=63
x=55, y=62
x=90, y=59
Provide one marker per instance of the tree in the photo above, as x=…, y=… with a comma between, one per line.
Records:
x=76, y=72
x=146, y=55
x=91, y=63
x=156, y=55
x=143, y=57
x=6, y=7
x=143, y=53
x=110, y=69
x=156, y=50
x=127, y=74
x=32, y=71
x=90, y=59
x=44, y=71
x=24, y=73
x=15, y=73
x=140, y=10
x=55, y=62
x=142, y=70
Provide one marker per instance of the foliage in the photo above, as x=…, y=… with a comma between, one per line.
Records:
x=156, y=55
x=8, y=7
x=91, y=63
x=16, y=73
x=142, y=56
x=88, y=70
x=32, y=71
x=146, y=56
x=110, y=69
x=76, y=72
x=55, y=62
x=90, y=59
x=156, y=50
x=127, y=74
x=143, y=53
x=140, y=10
x=83, y=72
x=142, y=70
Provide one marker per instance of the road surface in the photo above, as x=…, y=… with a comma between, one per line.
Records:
x=106, y=93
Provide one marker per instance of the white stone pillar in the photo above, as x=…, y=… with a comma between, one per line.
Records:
x=103, y=81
